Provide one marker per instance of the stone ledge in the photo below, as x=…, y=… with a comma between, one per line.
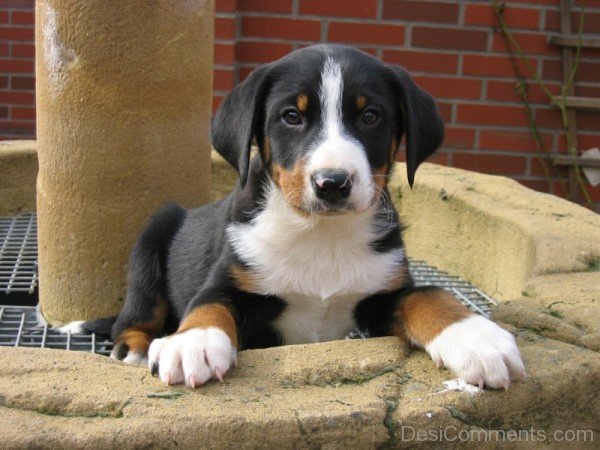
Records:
x=354, y=394
x=491, y=230
x=19, y=167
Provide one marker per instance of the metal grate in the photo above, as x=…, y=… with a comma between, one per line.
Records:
x=19, y=325
x=465, y=292
x=18, y=253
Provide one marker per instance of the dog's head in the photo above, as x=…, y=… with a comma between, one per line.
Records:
x=328, y=121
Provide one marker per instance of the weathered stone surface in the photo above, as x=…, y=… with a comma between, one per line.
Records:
x=18, y=166
x=123, y=109
x=560, y=306
x=492, y=230
x=353, y=394
x=535, y=253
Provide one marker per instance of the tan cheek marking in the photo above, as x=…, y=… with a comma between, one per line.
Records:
x=361, y=102
x=302, y=103
x=211, y=315
x=291, y=183
x=424, y=315
x=393, y=150
x=243, y=279
x=380, y=175
x=266, y=149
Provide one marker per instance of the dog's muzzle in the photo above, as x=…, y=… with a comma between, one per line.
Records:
x=332, y=186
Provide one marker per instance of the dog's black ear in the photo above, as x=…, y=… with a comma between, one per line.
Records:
x=238, y=120
x=422, y=123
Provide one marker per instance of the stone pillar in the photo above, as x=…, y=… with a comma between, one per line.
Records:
x=124, y=93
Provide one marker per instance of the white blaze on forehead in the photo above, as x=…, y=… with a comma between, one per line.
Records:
x=338, y=149
x=332, y=86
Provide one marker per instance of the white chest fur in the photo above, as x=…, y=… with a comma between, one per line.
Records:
x=321, y=266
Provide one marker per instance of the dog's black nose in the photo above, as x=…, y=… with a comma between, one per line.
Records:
x=332, y=186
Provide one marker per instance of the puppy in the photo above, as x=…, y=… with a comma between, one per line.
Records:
x=308, y=246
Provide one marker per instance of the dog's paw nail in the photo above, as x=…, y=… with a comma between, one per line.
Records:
x=480, y=383
x=505, y=386
x=438, y=363
x=154, y=369
x=193, y=382
x=219, y=375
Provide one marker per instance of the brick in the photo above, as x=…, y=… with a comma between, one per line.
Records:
x=4, y=49
x=22, y=83
x=3, y=17
x=224, y=28
x=340, y=8
x=487, y=114
x=420, y=11
x=422, y=61
x=22, y=50
x=456, y=39
x=363, y=33
x=508, y=91
x=548, y=118
x=445, y=110
x=494, y=164
x=588, y=120
x=22, y=113
x=245, y=71
x=16, y=66
x=450, y=87
x=3, y=112
x=512, y=140
x=492, y=66
x=459, y=137
x=22, y=18
x=587, y=141
x=18, y=4
x=18, y=98
x=24, y=129
x=559, y=188
x=261, y=52
x=370, y=50
x=225, y=6
x=223, y=80
x=537, y=166
x=17, y=34
x=591, y=22
x=588, y=91
x=536, y=185
x=224, y=54
x=3, y=82
x=272, y=6
x=516, y=18
x=217, y=99
x=270, y=27
x=587, y=71
x=536, y=44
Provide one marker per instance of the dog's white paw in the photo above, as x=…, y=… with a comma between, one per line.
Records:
x=192, y=357
x=479, y=352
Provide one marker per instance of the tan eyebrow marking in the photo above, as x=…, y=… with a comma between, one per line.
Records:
x=302, y=102
x=361, y=102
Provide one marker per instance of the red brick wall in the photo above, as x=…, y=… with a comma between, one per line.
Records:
x=451, y=48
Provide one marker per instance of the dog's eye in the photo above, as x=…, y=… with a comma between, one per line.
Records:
x=292, y=117
x=370, y=116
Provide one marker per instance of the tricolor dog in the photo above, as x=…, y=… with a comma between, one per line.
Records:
x=308, y=246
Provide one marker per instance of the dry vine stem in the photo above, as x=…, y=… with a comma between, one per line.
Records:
x=560, y=102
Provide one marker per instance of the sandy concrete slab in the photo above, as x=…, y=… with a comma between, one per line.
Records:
x=354, y=394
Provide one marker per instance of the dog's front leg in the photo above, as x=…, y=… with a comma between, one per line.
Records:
x=473, y=347
x=204, y=347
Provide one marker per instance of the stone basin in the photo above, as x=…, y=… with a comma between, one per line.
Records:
x=538, y=255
